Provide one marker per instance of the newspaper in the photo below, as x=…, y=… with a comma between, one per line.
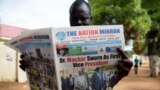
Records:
x=71, y=58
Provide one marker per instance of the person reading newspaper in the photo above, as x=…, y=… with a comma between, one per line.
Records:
x=80, y=15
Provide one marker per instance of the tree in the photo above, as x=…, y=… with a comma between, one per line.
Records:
x=135, y=19
x=153, y=10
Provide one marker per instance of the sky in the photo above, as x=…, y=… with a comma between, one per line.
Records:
x=31, y=14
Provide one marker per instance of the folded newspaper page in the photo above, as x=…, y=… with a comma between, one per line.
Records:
x=71, y=58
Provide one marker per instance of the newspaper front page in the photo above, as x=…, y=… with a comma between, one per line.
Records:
x=71, y=58
x=37, y=45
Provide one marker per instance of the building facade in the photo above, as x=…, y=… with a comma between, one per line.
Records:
x=9, y=58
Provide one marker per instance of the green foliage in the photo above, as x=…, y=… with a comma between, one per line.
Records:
x=127, y=12
x=150, y=4
x=135, y=19
x=140, y=47
x=153, y=9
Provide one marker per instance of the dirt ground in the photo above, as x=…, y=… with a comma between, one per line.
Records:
x=142, y=81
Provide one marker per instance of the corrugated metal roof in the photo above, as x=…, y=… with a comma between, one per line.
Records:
x=10, y=31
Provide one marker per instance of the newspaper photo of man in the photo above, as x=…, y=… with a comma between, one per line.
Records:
x=62, y=50
x=80, y=82
x=96, y=79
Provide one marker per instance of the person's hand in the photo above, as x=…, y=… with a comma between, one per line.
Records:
x=124, y=65
x=23, y=64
